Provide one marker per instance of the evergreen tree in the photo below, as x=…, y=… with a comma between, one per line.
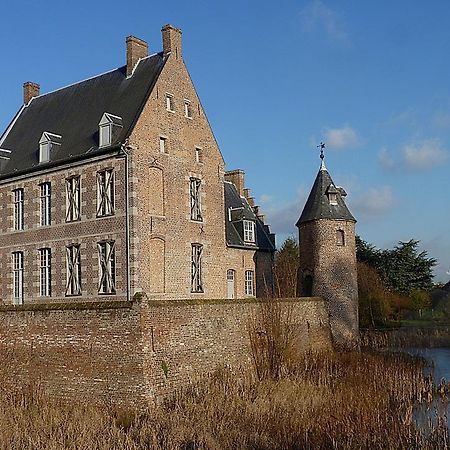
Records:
x=286, y=266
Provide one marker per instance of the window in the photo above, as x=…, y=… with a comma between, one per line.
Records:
x=45, y=272
x=340, y=237
x=187, y=109
x=18, y=209
x=48, y=143
x=249, y=289
x=73, y=199
x=73, y=270
x=169, y=102
x=196, y=268
x=109, y=129
x=249, y=231
x=107, y=267
x=162, y=144
x=195, y=194
x=198, y=155
x=45, y=198
x=105, y=193
x=17, y=278
x=333, y=198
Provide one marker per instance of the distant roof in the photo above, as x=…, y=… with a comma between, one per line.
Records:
x=318, y=206
x=242, y=210
x=74, y=112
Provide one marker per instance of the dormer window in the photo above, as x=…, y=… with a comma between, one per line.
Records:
x=47, y=144
x=332, y=193
x=110, y=127
x=249, y=231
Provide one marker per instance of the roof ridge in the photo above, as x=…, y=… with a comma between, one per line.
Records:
x=89, y=79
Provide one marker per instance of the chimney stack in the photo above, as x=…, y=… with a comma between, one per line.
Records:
x=30, y=90
x=136, y=50
x=171, y=41
x=237, y=178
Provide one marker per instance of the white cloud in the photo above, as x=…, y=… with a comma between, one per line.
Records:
x=282, y=217
x=425, y=155
x=317, y=16
x=374, y=202
x=385, y=159
x=341, y=138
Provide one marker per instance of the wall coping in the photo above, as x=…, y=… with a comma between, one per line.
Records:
x=153, y=303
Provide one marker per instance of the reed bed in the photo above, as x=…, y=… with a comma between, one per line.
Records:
x=322, y=401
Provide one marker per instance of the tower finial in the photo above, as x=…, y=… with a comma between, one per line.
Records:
x=322, y=156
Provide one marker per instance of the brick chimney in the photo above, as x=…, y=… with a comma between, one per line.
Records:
x=171, y=41
x=136, y=49
x=237, y=178
x=30, y=90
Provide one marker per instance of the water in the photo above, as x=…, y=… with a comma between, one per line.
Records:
x=439, y=359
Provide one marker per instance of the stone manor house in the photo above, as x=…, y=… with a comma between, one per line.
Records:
x=115, y=185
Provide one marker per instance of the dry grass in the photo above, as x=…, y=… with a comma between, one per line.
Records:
x=345, y=401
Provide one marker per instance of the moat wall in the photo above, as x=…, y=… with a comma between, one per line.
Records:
x=137, y=352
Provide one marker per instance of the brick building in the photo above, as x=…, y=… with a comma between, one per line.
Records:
x=116, y=185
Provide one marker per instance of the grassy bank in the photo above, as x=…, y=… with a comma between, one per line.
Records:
x=346, y=401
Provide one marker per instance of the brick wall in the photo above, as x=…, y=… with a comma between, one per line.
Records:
x=132, y=352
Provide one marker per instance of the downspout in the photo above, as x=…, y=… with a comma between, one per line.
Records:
x=125, y=147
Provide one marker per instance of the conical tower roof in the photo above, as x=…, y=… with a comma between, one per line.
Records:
x=318, y=205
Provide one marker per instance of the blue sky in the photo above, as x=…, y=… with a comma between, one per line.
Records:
x=370, y=79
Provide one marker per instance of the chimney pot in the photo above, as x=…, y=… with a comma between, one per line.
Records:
x=30, y=90
x=171, y=37
x=136, y=50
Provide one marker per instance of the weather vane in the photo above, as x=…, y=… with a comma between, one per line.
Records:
x=321, y=146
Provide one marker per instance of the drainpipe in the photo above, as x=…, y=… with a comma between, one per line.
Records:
x=125, y=149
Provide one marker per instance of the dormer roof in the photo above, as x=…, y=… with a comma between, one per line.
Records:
x=318, y=205
x=75, y=112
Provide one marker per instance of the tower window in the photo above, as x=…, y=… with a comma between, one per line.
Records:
x=340, y=237
x=333, y=198
x=198, y=154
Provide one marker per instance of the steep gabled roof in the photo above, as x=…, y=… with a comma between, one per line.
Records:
x=74, y=112
x=264, y=239
x=318, y=205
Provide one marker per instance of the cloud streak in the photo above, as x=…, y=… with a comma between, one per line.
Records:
x=341, y=138
x=316, y=15
x=373, y=203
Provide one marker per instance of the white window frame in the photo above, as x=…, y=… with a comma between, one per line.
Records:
x=73, y=270
x=249, y=231
x=333, y=198
x=198, y=154
x=105, y=135
x=249, y=283
x=106, y=267
x=73, y=198
x=187, y=109
x=170, y=103
x=45, y=196
x=17, y=262
x=45, y=272
x=163, y=144
x=18, y=209
x=196, y=268
x=44, y=152
x=195, y=194
x=105, y=193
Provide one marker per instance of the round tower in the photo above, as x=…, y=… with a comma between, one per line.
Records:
x=327, y=256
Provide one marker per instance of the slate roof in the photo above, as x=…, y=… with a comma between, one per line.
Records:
x=74, y=112
x=318, y=206
x=242, y=210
